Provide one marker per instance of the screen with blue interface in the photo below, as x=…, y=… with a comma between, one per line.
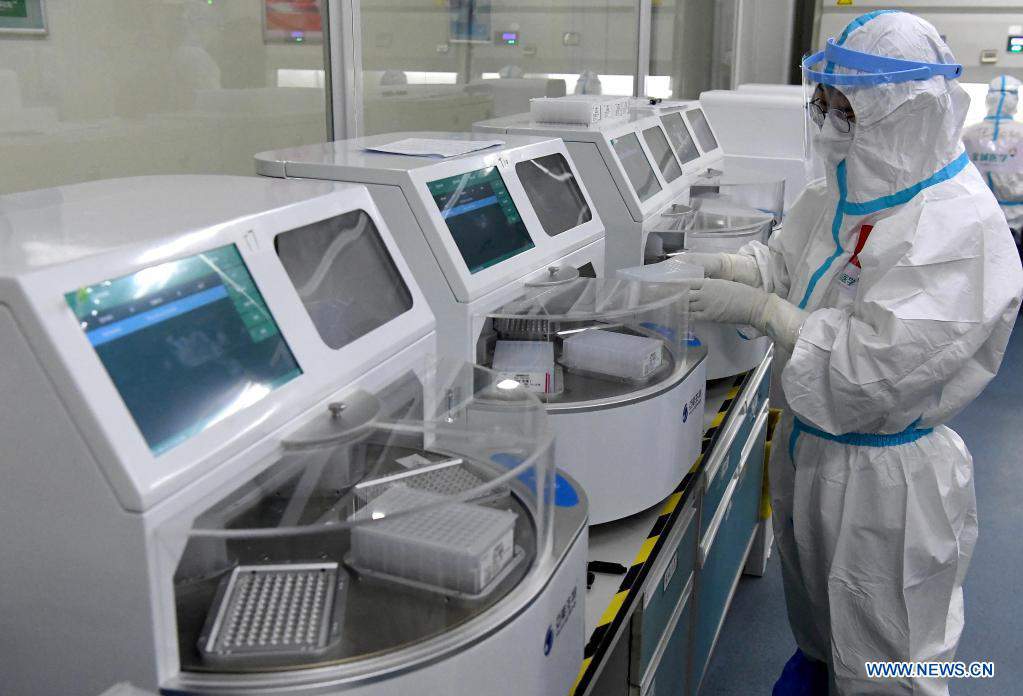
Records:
x=187, y=343
x=481, y=217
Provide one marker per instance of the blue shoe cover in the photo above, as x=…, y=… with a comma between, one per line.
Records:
x=802, y=676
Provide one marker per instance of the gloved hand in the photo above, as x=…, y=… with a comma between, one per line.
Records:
x=728, y=302
x=738, y=267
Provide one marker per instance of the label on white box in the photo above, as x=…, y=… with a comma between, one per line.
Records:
x=536, y=382
x=497, y=557
x=653, y=362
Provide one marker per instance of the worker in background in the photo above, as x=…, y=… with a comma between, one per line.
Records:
x=996, y=148
x=890, y=293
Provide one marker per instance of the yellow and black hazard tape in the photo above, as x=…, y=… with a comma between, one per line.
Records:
x=617, y=609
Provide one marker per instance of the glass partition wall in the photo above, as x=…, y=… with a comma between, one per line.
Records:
x=445, y=64
x=108, y=88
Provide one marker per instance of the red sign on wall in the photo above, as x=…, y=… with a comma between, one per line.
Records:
x=292, y=21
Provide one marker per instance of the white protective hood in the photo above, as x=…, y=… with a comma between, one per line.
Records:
x=905, y=132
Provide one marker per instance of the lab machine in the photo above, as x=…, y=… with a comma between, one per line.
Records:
x=481, y=229
x=762, y=129
x=633, y=167
x=474, y=227
x=650, y=175
x=624, y=390
x=235, y=464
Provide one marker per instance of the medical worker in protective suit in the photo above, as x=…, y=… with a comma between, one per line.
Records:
x=890, y=293
x=996, y=148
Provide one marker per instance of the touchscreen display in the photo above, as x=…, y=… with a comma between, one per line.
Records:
x=662, y=153
x=481, y=217
x=704, y=134
x=637, y=166
x=681, y=138
x=186, y=343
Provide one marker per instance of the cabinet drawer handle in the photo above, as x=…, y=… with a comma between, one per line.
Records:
x=751, y=441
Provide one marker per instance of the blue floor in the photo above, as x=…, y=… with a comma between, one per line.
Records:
x=755, y=640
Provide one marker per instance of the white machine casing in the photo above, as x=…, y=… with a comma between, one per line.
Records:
x=626, y=216
x=96, y=523
x=462, y=300
x=763, y=129
x=629, y=219
x=399, y=186
x=628, y=442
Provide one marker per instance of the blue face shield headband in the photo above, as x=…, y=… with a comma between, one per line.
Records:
x=875, y=70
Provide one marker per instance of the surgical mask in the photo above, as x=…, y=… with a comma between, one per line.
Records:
x=832, y=144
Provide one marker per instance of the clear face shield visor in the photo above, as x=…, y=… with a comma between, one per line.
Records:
x=836, y=71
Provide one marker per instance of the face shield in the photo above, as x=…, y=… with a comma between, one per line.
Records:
x=831, y=74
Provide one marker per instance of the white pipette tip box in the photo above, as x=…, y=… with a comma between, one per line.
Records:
x=620, y=355
x=453, y=547
x=530, y=363
x=581, y=109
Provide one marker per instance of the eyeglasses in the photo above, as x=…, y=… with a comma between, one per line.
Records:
x=819, y=111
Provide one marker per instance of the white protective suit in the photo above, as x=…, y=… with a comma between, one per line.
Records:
x=996, y=147
x=873, y=497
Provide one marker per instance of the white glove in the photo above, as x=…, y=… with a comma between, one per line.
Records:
x=738, y=267
x=728, y=302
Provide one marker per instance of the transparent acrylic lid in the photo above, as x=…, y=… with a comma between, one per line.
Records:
x=344, y=275
x=589, y=341
x=387, y=519
x=712, y=224
x=752, y=190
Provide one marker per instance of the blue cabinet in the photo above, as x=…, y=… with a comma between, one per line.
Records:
x=669, y=672
x=670, y=580
x=726, y=541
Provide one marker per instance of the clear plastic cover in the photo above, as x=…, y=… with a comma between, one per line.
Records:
x=665, y=158
x=344, y=275
x=385, y=520
x=745, y=189
x=637, y=166
x=608, y=337
x=713, y=225
x=681, y=139
x=701, y=128
x=554, y=193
